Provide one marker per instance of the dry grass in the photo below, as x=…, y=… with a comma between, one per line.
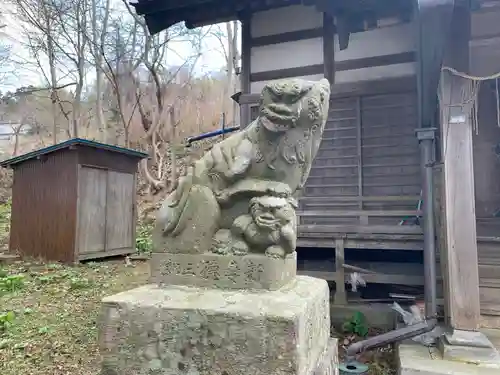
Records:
x=56, y=310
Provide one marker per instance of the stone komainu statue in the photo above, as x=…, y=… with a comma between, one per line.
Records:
x=240, y=197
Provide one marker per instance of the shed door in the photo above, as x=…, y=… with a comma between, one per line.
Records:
x=92, y=210
x=106, y=210
x=120, y=211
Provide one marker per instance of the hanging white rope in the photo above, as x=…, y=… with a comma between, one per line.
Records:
x=470, y=95
x=471, y=77
x=467, y=102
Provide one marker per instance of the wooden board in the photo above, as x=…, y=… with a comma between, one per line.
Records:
x=91, y=210
x=367, y=171
x=390, y=150
x=120, y=211
x=334, y=230
x=386, y=272
x=356, y=213
x=386, y=243
x=489, y=274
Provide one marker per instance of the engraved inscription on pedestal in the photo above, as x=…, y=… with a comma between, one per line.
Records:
x=251, y=271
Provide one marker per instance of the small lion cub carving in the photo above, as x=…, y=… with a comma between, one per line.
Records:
x=269, y=228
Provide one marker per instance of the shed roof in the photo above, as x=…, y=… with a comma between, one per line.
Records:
x=67, y=144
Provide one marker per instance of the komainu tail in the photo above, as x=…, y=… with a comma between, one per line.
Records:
x=189, y=226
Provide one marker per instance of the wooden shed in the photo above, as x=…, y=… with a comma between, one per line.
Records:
x=74, y=201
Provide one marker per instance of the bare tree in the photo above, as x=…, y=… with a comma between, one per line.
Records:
x=106, y=77
x=228, y=40
x=99, y=35
x=55, y=35
x=146, y=91
x=5, y=51
x=40, y=43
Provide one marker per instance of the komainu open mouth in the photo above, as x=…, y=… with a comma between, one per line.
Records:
x=266, y=220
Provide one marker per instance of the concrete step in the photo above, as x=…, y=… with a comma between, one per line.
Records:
x=414, y=359
x=493, y=335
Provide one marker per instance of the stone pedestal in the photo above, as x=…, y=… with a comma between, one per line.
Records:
x=469, y=347
x=173, y=330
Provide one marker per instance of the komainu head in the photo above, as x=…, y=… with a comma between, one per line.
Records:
x=294, y=103
x=272, y=213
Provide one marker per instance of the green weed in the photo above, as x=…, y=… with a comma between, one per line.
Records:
x=144, y=242
x=356, y=324
x=11, y=283
x=6, y=320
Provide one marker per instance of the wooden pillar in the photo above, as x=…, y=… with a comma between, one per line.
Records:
x=340, y=292
x=246, y=47
x=460, y=253
x=329, y=47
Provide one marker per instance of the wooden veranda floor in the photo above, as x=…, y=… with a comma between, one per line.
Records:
x=338, y=241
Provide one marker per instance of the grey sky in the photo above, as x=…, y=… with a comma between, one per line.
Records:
x=22, y=75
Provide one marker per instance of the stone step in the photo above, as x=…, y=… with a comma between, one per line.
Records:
x=416, y=359
x=493, y=335
x=469, y=347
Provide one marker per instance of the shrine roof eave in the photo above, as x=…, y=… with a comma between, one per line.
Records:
x=161, y=14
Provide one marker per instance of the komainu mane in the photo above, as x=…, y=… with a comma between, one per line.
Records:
x=240, y=197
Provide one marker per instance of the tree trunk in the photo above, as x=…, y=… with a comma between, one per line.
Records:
x=53, y=77
x=81, y=13
x=99, y=45
x=16, y=140
x=229, y=68
x=173, y=151
x=236, y=64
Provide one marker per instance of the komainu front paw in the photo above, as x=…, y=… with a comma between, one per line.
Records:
x=222, y=242
x=222, y=196
x=239, y=247
x=275, y=251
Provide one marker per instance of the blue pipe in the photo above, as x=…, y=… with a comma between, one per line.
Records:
x=210, y=134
